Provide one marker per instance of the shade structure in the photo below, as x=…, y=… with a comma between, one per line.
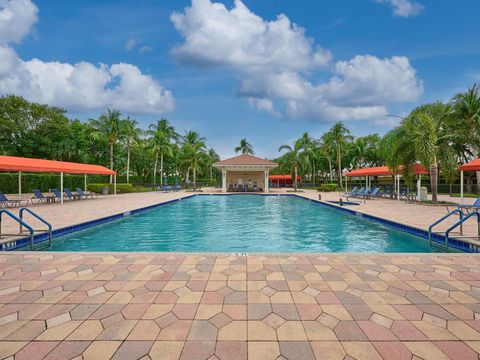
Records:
x=471, y=166
x=282, y=178
x=22, y=164
x=14, y=163
x=417, y=169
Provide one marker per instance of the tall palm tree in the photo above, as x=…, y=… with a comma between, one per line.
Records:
x=295, y=158
x=327, y=149
x=212, y=157
x=107, y=127
x=193, y=148
x=245, y=147
x=130, y=134
x=340, y=135
x=161, y=135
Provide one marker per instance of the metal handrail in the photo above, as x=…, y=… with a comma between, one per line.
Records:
x=38, y=217
x=21, y=222
x=460, y=222
x=453, y=212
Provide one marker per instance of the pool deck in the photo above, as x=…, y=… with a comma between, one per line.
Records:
x=219, y=306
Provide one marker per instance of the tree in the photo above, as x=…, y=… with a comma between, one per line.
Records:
x=107, y=126
x=212, y=157
x=245, y=147
x=193, y=148
x=130, y=134
x=340, y=135
x=327, y=149
x=295, y=158
x=161, y=134
x=420, y=137
x=309, y=144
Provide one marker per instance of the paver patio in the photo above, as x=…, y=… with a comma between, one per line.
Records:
x=207, y=306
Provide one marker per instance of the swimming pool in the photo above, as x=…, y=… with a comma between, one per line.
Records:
x=242, y=223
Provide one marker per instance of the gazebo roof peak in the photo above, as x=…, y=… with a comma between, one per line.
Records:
x=245, y=159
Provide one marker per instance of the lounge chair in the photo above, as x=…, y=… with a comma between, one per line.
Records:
x=375, y=193
x=240, y=188
x=176, y=187
x=467, y=207
x=38, y=195
x=351, y=192
x=4, y=201
x=71, y=195
x=230, y=188
x=58, y=195
x=83, y=194
x=358, y=193
x=255, y=188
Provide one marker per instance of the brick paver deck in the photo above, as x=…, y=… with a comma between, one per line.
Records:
x=200, y=306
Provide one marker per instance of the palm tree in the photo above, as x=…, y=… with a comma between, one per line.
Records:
x=327, y=150
x=420, y=137
x=340, y=135
x=130, y=134
x=193, y=148
x=294, y=158
x=309, y=144
x=245, y=147
x=161, y=135
x=107, y=127
x=212, y=157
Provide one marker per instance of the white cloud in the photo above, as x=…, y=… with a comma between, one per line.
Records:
x=130, y=44
x=404, y=8
x=274, y=62
x=145, y=49
x=216, y=36
x=17, y=18
x=80, y=86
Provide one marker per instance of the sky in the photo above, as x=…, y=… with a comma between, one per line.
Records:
x=265, y=70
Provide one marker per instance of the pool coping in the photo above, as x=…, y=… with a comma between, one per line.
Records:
x=439, y=239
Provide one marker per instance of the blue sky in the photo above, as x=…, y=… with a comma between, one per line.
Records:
x=217, y=68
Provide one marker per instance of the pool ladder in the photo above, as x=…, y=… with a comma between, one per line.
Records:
x=450, y=231
x=24, y=227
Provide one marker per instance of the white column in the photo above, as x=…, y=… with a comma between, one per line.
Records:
x=398, y=187
x=19, y=185
x=461, y=185
x=224, y=181
x=61, y=187
x=115, y=185
x=366, y=182
x=266, y=181
x=419, y=185
x=85, y=183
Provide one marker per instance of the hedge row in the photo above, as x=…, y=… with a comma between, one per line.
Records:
x=121, y=188
x=327, y=187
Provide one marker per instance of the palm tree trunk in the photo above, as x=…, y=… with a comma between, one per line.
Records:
x=313, y=175
x=330, y=169
x=128, y=164
x=155, y=171
x=339, y=160
x=295, y=178
x=194, y=178
x=433, y=180
x=111, y=161
x=161, y=169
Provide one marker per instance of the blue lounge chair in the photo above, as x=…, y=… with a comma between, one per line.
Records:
x=375, y=193
x=71, y=195
x=84, y=195
x=176, y=187
x=38, y=195
x=467, y=207
x=57, y=194
x=255, y=188
x=4, y=201
x=230, y=188
x=240, y=188
x=351, y=192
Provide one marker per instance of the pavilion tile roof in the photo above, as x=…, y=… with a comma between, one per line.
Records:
x=245, y=160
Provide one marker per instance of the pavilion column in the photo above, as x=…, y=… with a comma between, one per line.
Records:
x=61, y=187
x=224, y=181
x=419, y=185
x=19, y=185
x=266, y=181
x=398, y=187
x=461, y=185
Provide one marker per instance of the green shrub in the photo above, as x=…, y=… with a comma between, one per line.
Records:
x=327, y=187
x=121, y=188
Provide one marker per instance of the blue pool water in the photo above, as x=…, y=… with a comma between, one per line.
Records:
x=242, y=223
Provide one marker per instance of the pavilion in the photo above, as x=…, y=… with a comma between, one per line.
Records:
x=245, y=170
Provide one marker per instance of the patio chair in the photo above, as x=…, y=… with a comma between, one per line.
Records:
x=466, y=207
x=70, y=195
x=255, y=188
x=230, y=188
x=85, y=195
x=4, y=201
x=58, y=195
x=351, y=192
x=240, y=188
x=38, y=195
x=375, y=193
x=176, y=187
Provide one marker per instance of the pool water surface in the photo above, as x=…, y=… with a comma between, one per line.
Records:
x=242, y=223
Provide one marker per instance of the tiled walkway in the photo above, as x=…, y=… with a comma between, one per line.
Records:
x=170, y=306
